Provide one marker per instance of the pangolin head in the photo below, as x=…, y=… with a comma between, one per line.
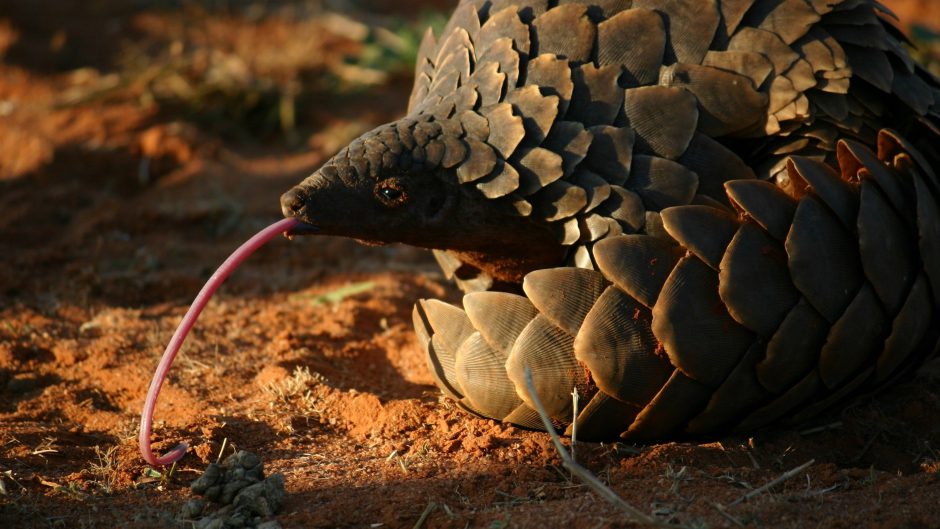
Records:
x=409, y=182
x=527, y=141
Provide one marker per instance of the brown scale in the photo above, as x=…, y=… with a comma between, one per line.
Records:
x=703, y=216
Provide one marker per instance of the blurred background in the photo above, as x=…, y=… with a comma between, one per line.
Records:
x=265, y=72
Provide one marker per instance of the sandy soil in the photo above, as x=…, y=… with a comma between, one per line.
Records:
x=114, y=211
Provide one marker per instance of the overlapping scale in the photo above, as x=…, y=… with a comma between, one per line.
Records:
x=815, y=408
x=888, y=254
x=504, y=23
x=571, y=141
x=635, y=41
x=737, y=395
x=564, y=295
x=663, y=118
x=611, y=152
x=728, y=103
x=871, y=65
x=732, y=12
x=823, y=258
x=754, y=282
x=559, y=200
x=502, y=181
x=765, y=203
x=767, y=43
x=454, y=44
x=526, y=417
x=793, y=350
x=857, y=161
x=637, y=264
x=625, y=208
x=794, y=396
x=698, y=20
x=854, y=338
x=751, y=64
x=596, y=189
x=790, y=19
x=538, y=112
x=565, y=31
x=700, y=337
x=537, y=167
x=597, y=97
x=455, y=151
x=705, y=231
x=662, y=183
x=548, y=352
x=617, y=345
x=506, y=129
x=480, y=162
x=679, y=400
x=440, y=357
x=928, y=228
x=489, y=82
x=506, y=57
x=714, y=164
x=910, y=327
x=480, y=372
x=499, y=316
x=464, y=18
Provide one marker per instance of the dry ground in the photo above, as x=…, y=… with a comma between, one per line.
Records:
x=140, y=142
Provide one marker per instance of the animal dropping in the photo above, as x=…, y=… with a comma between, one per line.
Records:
x=705, y=216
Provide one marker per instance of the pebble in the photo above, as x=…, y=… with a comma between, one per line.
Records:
x=244, y=496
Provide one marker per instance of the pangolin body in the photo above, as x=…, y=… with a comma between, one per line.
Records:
x=704, y=215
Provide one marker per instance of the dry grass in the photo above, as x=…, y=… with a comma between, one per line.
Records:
x=104, y=471
x=294, y=395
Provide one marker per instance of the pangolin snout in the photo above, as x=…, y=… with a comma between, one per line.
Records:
x=294, y=203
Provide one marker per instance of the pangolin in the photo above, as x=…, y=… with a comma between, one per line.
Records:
x=704, y=216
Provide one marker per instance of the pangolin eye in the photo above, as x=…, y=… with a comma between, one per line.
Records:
x=390, y=193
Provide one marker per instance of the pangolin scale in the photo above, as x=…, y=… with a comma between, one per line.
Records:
x=704, y=215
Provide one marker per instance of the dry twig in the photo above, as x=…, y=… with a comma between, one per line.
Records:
x=722, y=510
x=424, y=515
x=584, y=474
x=776, y=481
x=574, y=422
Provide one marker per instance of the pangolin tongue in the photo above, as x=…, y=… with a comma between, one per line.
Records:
x=214, y=282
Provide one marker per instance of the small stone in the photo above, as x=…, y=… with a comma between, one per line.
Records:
x=209, y=523
x=192, y=509
x=236, y=520
x=244, y=459
x=255, y=475
x=213, y=493
x=274, y=491
x=230, y=489
x=208, y=478
x=252, y=498
x=272, y=524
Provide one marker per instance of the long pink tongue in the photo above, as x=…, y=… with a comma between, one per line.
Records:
x=214, y=282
